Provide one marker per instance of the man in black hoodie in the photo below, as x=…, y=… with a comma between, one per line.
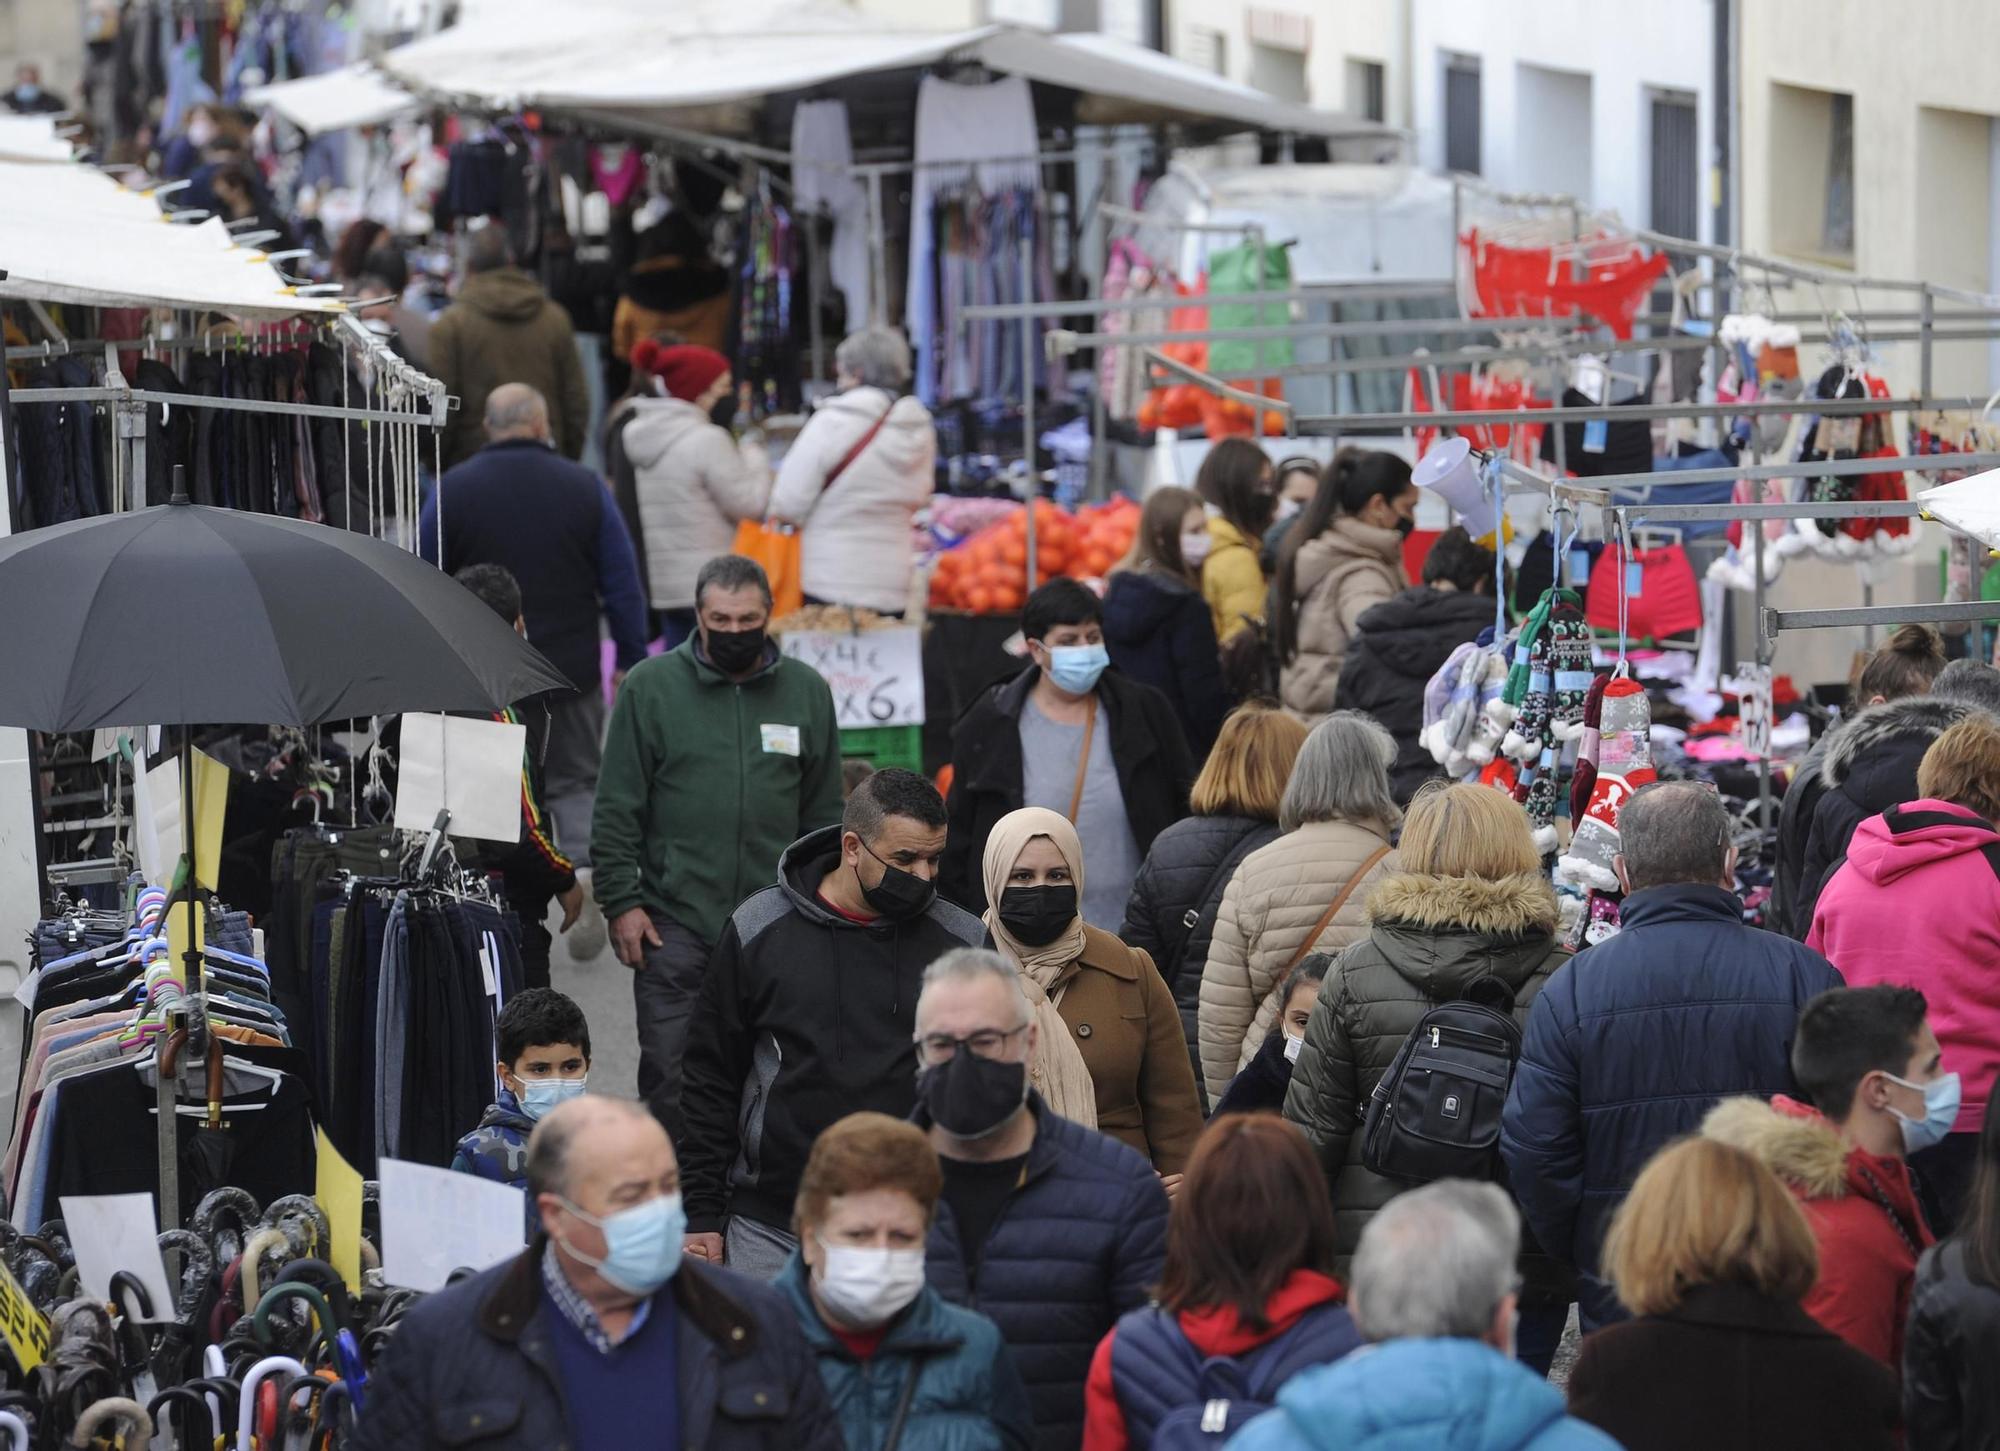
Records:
x=809, y=1013
x=1401, y=643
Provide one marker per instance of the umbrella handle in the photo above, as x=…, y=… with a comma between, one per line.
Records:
x=260, y=1322
x=16, y=1429
x=246, y=1410
x=113, y=1408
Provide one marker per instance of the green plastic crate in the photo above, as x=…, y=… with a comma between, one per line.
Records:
x=883, y=746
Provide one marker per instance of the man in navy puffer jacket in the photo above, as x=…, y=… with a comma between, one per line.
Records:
x=1633, y=1040
x=1049, y=1229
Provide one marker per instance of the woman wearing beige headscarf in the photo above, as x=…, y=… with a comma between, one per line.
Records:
x=1112, y=1049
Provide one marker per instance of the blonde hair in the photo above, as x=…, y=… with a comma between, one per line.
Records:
x=1461, y=830
x=1706, y=1213
x=1246, y=772
x=1963, y=766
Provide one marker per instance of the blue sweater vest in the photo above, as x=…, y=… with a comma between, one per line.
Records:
x=630, y=1397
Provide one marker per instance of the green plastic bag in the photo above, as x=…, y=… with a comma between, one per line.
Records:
x=1234, y=270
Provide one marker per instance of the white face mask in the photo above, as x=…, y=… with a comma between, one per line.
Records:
x=1293, y=1043
x=866, y=1288
x=1195, y=547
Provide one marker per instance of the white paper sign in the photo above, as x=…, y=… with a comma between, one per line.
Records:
x=1753, y=687
x=877, y=676
x=113, y=1232
x=435, y=1221
x=471, y=768
x=156, y=808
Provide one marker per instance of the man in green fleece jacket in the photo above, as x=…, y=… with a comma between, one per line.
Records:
x=721, y=754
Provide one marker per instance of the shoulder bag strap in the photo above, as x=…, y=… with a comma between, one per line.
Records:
x=903, y=1405
x=1083, y=762
x=860, y=447
x=1334, y=911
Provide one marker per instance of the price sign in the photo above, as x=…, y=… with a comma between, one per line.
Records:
x=1753, y=684
x=877, y=676
x=24, y=1328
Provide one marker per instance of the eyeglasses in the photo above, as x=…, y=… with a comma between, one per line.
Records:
x=986, y=1043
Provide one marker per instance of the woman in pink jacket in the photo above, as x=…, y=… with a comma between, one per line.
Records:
x=1917, y=903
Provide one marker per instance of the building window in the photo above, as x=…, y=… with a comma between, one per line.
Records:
x=1461, y=114
x=1812, y=173
x=1676, y=166
x=1279, y=73
x=1552, y=132
x=1208, y=48
x=1367, y=90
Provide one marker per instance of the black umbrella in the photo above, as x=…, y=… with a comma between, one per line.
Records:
x=184, y=615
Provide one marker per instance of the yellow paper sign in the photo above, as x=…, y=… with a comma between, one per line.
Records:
x=177, y=932
x=25, y=1329
x=211, y=803
x=338, y=1190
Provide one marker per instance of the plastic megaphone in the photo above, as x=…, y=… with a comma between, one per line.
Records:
x=1450, y=472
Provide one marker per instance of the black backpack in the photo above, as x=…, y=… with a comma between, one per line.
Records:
x=1436, y=1112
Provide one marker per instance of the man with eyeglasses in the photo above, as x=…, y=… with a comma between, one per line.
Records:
x=1049, y=1229
x=1633, y=1041
x=806, y=1013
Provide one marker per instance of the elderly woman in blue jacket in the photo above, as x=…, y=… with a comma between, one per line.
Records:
x=905, y=1370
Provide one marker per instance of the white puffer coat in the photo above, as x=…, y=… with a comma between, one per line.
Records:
x=695, y=484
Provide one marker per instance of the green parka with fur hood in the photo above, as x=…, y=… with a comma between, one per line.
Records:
x=1429, y=937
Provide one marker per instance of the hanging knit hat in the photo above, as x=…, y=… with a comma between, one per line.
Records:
x=686, y=370
x=1584, y=775
x=1569, y=657
x=1530, y=730
x=1624, y=764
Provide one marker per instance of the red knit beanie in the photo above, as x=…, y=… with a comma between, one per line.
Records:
x=687, y=369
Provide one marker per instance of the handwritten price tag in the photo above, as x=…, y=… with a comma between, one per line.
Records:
x=877, y=676
x=25, y=1329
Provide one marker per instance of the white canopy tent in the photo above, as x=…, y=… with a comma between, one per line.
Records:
x=354, y=95
x=32, y=138
x=711, y=64
x=72, y=234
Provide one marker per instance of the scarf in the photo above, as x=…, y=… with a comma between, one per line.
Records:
x=1057, y=1071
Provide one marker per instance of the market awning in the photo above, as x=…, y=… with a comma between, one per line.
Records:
x=354, y=95
x=32, y=138
x=72, y=234
x=713, y=63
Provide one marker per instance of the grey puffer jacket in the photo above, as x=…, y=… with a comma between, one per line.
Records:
x=1429, y=938
x=694, y=485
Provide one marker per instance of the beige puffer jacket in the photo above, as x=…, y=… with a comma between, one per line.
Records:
x=1272, y=902
x=695, y=484
x=1337, y=578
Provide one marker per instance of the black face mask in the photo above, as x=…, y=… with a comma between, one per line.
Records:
x=1405, y=527
x=735, y=651
x=970, y=1097
x=900, y=895
x=724, y=412
x=1037, y=916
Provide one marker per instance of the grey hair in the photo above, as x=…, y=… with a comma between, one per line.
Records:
x=1969, y=682
x=1672, y=833
x=970, y=964
x=878, y=356
x=1436, y=1263
x=487, y=250
x=515, y=408
x=554, y=1136
x=731, y=572
x=1342, y=774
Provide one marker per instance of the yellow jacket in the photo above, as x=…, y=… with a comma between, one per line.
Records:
x=1232, y=579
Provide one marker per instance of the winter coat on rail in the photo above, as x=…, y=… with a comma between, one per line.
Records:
x=1917, y=904
x=694, y=485
x=777, y=1053
x=1397, y=647
x=1729, y=1369
x=1338, y=578
x=1154, y=770
x=1139, y=1380
x=1870, y=765
x=854, y=534
x=1862, y=1208
x=1950, y=1399
x=1079, y=1242
x=503, y=328
x=1271, y=906
x=1160, y=633
x=1628, y=1046
x=1421, y=1395
x=1232, y=579
x=966, y=1396
x=1429, y=939
x=1795, y=819
x=1178, y=895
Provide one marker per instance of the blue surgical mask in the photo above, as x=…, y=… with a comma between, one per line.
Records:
x=538, y=1095
x=1941, y=1097
x=642, y=1245
x=1075, y=668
